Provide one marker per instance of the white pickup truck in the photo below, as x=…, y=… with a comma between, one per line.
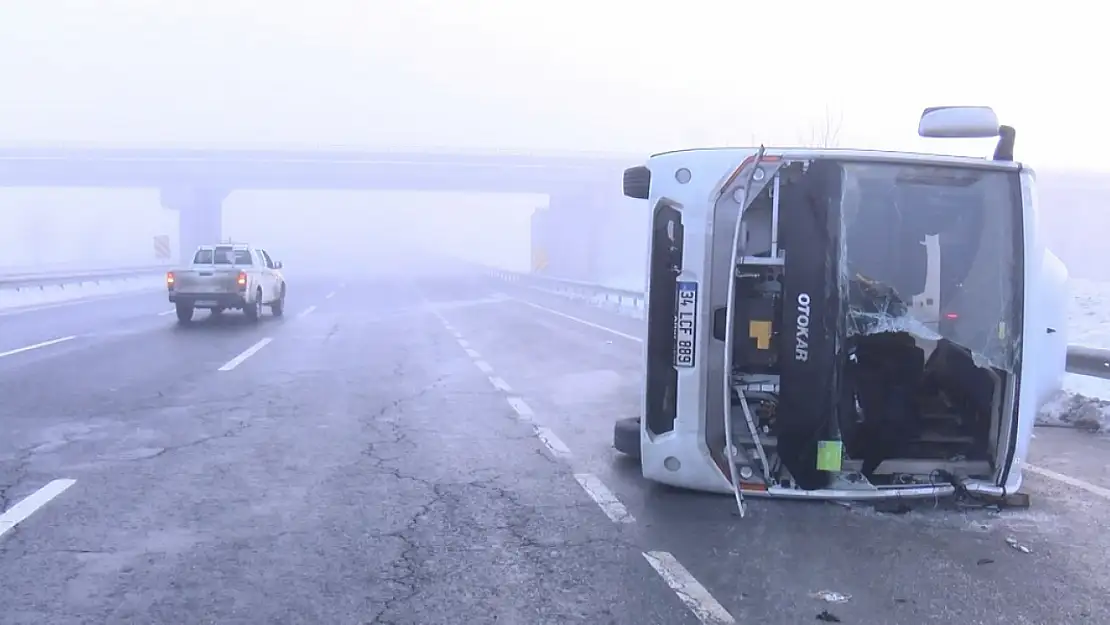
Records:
x=228, y=275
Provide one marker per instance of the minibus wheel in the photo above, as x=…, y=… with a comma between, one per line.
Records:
x=626, y=436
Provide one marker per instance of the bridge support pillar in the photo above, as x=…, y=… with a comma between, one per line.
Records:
x=200, y=217
x=565, y=237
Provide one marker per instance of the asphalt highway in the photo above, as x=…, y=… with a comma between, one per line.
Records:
x=434, y=448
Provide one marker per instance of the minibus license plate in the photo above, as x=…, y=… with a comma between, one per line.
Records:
x=685, y=323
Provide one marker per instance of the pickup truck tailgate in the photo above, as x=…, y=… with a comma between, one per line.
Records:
x=207, y=280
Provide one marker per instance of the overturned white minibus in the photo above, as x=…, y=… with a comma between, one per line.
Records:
x=846, y=324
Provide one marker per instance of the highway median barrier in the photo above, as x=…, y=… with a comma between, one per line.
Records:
x=30, y=290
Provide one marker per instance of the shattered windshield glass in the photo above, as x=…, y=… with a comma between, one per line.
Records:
x=934, y=252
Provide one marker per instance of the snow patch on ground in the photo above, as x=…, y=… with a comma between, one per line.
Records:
x=1073, y=409
x=1084, y=401
x=1089, y=313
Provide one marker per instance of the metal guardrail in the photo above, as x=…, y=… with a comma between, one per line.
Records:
x=1082, y=360
x=1090, y=361
x=30, y=281
x=577, y=290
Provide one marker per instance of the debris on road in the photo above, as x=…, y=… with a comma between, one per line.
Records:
x=829, y=596
x=1011, y=541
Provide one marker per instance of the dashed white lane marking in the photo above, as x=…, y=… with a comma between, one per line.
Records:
x=27, y=348
x=247, y=353
x=167, y=312
x=306, y=312
x=330, y=295
x=553, y=443
x=696, y=597
x=583, y=321
x=521, y=407
x=19, y=512
x=604, y=498
x=1070, y=481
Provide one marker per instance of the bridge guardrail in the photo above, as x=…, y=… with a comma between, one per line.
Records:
x=31, y=281
x=1082, y=360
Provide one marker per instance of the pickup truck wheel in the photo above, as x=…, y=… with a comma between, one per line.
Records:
x=277, y=308
x=253, y=310
x=184, y=312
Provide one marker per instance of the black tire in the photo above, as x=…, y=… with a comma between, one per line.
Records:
x=626, y=436
x=277, y=308
x=253, y=310
x=184, y=312
x=637, y=182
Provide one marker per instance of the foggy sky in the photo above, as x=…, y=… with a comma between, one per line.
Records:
x=615, y=76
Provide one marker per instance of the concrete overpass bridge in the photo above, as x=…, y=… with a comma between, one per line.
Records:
x=195, y=181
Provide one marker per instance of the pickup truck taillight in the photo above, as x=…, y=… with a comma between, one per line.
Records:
x=242, y=280
x=169, y=279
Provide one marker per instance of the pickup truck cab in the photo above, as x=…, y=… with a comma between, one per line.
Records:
x=228, y=275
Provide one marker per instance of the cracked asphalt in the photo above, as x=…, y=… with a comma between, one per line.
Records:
x=365, y=467
x=358, y=469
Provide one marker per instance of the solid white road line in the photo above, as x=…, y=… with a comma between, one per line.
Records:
x=604, y=498
x=167, y=312
x=484, y=366
x=20, y=350
x=247, y=353
x=19, y=512
x=1070, y=481
x=553, y=443
x=689, y=590
x=306, y=312
x=583, y=321
x=521, y=407
x=500, y=384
